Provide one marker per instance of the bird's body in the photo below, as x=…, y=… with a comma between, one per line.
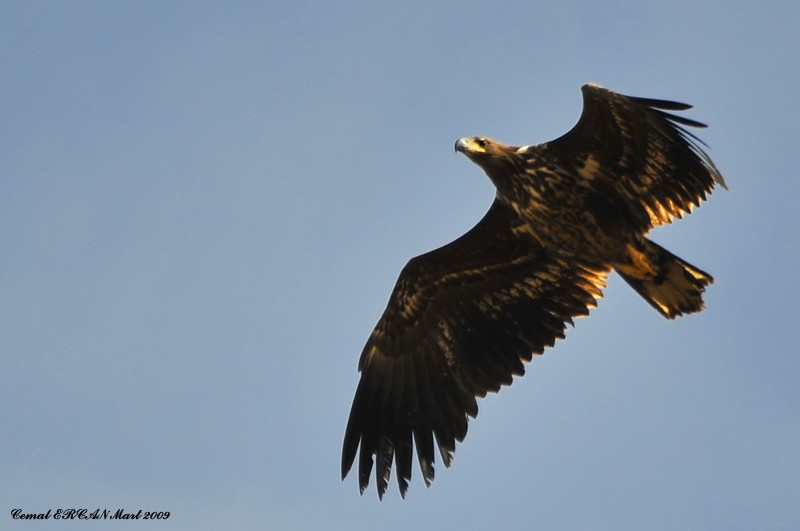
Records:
x=462, y=319
x=579, y=220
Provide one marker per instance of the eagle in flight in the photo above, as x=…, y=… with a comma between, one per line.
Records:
x=462, y=319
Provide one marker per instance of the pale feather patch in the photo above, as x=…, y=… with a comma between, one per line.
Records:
x=590, y=169
x=523, y=229
x=641, y=267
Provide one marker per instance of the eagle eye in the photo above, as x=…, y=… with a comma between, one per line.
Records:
x=481, y=142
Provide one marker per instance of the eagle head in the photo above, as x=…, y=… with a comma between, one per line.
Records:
x=494, y=157
x=475, y=146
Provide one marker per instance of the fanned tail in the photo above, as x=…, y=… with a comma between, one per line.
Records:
x=674, y=289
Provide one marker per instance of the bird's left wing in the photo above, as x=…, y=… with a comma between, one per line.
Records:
x=460, y=322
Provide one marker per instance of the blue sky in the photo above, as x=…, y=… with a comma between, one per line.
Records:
x=205, y=206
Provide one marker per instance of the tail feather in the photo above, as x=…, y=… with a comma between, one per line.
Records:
x=676, y=288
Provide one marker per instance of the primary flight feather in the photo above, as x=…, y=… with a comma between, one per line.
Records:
x=463, y=319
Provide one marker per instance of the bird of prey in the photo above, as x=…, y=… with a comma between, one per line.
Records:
x=462, y=319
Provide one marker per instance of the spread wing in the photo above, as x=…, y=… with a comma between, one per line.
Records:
x=460, y=322
x=635, y=150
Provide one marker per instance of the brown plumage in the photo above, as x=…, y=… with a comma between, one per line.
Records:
x=462, y=319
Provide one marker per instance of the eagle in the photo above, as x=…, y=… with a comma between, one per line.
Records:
x=463, y=319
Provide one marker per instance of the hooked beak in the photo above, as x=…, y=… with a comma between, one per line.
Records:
x=461, y=145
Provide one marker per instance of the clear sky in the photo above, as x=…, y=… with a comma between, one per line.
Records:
x=205, y=206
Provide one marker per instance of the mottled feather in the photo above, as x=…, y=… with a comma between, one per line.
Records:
x=640, y=151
